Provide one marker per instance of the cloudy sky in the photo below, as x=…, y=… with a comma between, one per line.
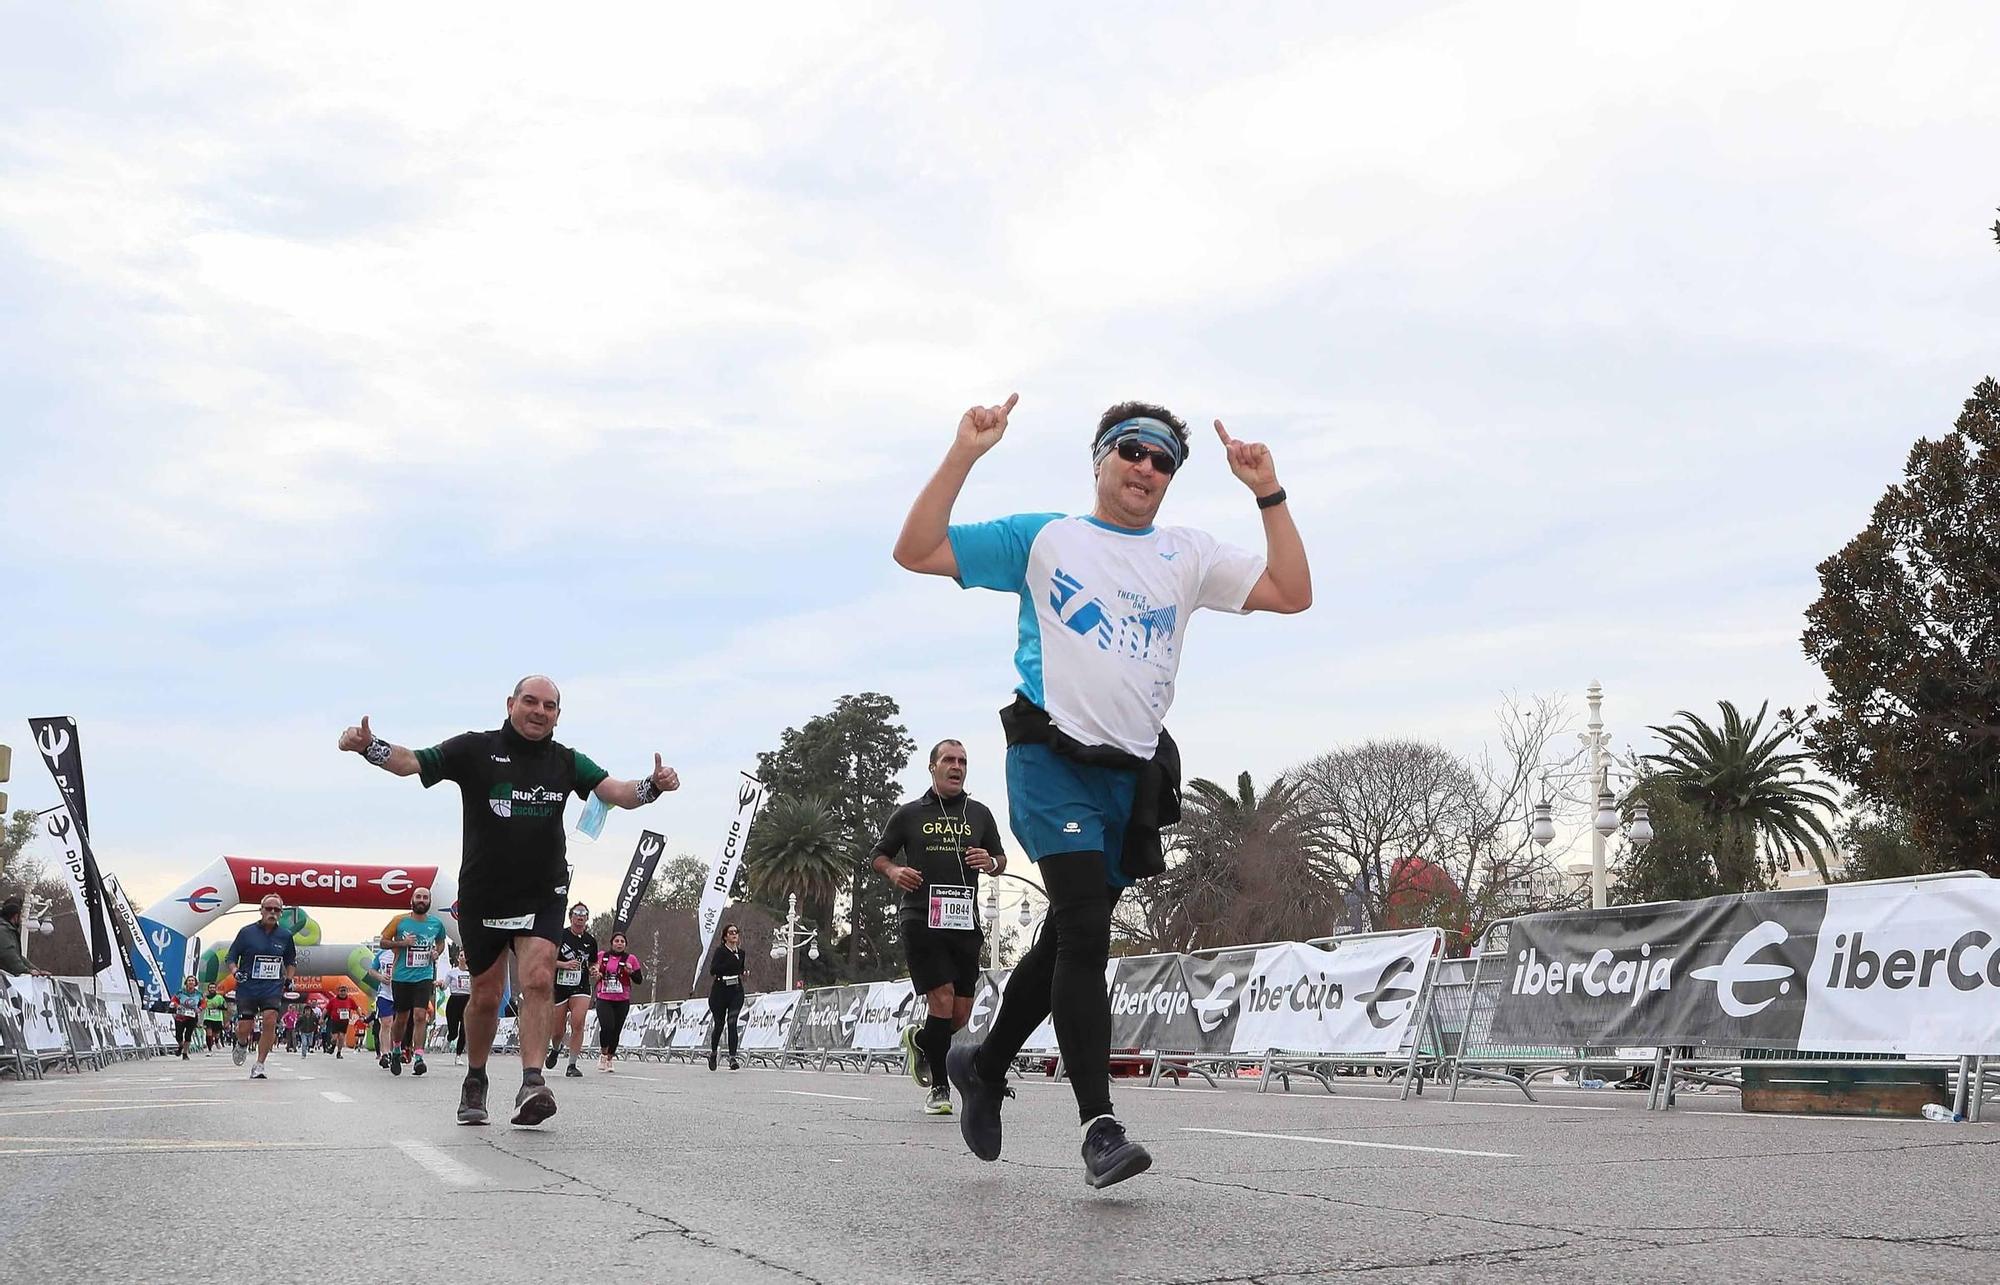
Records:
x=363, y=362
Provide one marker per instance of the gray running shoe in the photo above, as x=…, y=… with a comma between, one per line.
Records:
x=535, y=1103
x=472, y=1100
x=257, y=1072
x=238, y=1052
x=978, y=1102
x=1109, y=1156
x=939, y=1102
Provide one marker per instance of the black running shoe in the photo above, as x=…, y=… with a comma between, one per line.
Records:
x=395, y=1064
x=535, y=1103
x=978, y=1102
x=1109, y=1156
x=573, y=1073
x=417, y=1065
x=549, y=1062
x=472, y=1100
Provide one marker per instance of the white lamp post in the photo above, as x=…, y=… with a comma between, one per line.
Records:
x=787, y=945
x=990, y=911
x=1606, y=821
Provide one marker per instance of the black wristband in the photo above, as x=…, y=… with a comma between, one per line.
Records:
x=1273, y=500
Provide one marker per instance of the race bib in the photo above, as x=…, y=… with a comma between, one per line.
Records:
x=951, y=906
x=570, y=975
x=520, y=922
x=267, y=968
x=613, y=988
x=420, y=955
x=730, y=979
x=461, y=983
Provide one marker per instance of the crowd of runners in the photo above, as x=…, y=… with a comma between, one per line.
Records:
x=1091, y=773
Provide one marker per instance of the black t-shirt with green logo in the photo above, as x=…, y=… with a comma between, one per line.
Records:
x=930, y=835
x=513, y=790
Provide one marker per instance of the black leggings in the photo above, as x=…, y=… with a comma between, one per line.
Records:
x=611, y=1022
x=454, y=1022
x=1062, y=976
x=722, y=1010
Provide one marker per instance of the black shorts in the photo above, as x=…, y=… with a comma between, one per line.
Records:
x=213, y=1023
x=484, y=943
x=247, y=1009
x=410, y=997
x=564, y=994
x=337, y=1025
x=943, y=957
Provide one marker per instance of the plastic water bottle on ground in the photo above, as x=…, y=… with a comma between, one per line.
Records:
x=1942, y=1114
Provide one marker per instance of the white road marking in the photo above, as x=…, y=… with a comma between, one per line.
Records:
x=149, y=1106
x=838, y=1097
x=440, y=1165
x=1349, y=1142
x=331, y=1096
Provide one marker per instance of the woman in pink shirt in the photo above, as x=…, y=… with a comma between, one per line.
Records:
x=618, y=972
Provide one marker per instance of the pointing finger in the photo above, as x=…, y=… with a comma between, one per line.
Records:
x=1008, y=406
x=1222, y=432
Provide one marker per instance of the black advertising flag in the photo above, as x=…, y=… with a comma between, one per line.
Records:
x=638, y=876
x=57, y=739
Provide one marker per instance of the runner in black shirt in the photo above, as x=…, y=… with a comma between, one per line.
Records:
x=576, y=956
x=513, y=878
x=934, y=849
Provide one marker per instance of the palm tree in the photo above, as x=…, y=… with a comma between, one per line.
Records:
x=798, y=845
x=1750, y=788
x=1244, y=867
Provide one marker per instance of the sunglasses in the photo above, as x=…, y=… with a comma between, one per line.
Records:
x=1132, y=450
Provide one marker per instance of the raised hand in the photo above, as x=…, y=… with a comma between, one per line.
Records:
x=1250, y=462
x=356, y=739
x=981, y=428
x=664, y=777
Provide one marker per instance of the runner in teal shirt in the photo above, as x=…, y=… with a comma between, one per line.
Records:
x=417, y=939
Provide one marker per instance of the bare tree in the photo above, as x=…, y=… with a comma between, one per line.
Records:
x=1416, y=834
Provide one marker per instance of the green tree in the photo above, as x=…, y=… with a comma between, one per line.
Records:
x=1880, y=846
x=1907, y=631
x=850, y=757
x=1751, y=788
x=1680, y=863
x=678, y=883
x=15, y=836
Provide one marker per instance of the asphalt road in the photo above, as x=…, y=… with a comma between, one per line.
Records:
x=162, y=1171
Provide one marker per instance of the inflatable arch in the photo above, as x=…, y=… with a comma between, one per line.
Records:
x=238, y=881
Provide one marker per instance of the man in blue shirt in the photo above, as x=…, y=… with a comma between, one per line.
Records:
x=264, y=959
x=1105, y=605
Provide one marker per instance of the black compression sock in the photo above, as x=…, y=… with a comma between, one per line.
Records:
x=935, y=1039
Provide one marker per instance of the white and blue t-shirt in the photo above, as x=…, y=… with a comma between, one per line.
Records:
x=1104, y=610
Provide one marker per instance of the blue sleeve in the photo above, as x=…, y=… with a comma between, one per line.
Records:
x=291, y=950
x=994, y=555
x=235, y=951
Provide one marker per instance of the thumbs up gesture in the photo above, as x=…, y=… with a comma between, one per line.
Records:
x=664, y=777
x=356, y=739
